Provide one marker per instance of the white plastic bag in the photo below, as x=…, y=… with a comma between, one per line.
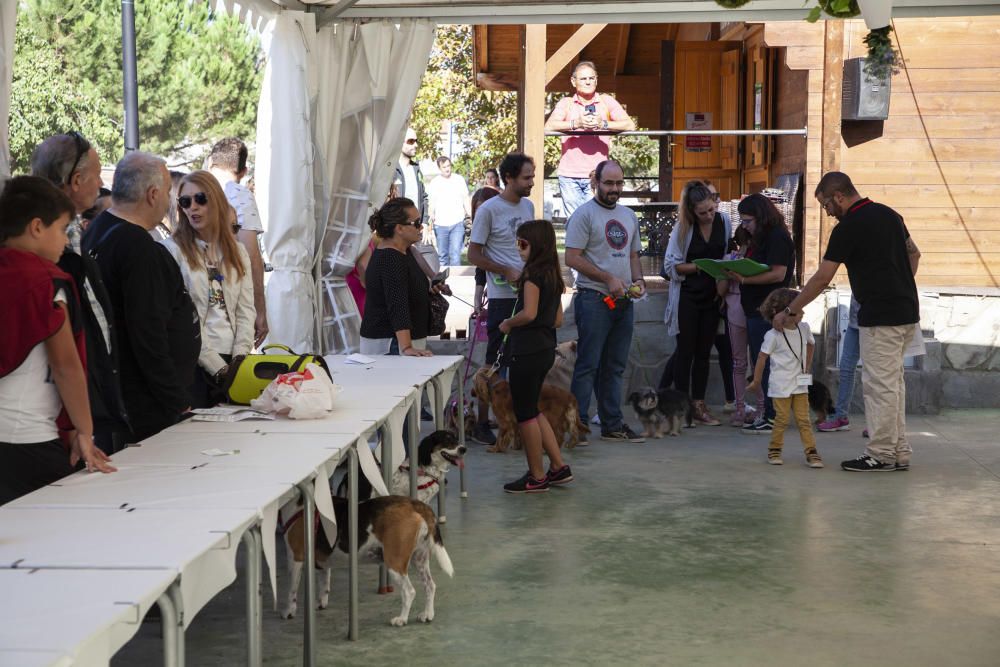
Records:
x=308, y=394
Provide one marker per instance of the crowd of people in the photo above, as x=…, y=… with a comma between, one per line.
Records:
x=128, y=307
x=132, y=306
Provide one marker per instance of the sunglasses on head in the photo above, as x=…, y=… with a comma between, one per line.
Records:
x=81, y=150
x=184, y=201
x=522, y=244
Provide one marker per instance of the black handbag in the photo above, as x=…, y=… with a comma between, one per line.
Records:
x=438, y=312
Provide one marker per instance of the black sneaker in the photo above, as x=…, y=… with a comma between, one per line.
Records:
x=483, y=435
x=624, y=435
x=562, y=476
x=761, y=425
x=528, y=484
x=902, y=465
x=865, y=463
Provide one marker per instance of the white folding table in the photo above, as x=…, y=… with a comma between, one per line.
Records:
x=78, y=617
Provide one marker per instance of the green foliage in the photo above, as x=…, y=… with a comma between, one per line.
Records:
x=198, y=74
x=883, y=59
x=839, y=9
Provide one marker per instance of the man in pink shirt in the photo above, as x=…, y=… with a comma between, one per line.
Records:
x=587, y=110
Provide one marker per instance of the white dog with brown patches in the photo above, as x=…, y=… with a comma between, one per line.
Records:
x=394, y=530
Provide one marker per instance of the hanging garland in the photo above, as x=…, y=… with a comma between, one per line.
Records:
x=882, y=61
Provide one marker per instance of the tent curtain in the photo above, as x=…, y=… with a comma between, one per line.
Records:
x=285, y=177
x=371, y=74
x=8, y=19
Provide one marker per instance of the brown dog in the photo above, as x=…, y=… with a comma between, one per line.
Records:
x=558, y=406
x=561, y=373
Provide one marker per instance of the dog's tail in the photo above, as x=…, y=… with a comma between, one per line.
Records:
x=440, y=554
x=572, y=424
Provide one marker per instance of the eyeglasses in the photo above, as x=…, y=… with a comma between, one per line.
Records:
x=586, y=78
x=411, y=141
x=81, y=150
x=522, y=244
x=200, y=199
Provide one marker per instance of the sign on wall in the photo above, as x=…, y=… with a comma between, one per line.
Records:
x=698, y=143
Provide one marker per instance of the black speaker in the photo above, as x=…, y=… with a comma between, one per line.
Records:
x=863, y=98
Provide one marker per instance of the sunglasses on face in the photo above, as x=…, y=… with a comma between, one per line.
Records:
x=418, y=223
x=81, y=150
x=522, y=244
x=411, y=141
x=184, y=201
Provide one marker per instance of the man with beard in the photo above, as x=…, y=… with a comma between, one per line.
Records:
x=881, y=259
x=493, y=248
x=602, y=245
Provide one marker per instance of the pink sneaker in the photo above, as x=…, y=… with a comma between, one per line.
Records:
x=835, y=424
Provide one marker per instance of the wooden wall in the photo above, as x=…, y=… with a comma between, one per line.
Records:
x=936, y=159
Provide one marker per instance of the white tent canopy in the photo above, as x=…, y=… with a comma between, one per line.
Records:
x=341, y=78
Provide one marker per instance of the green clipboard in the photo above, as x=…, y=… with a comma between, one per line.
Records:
x=744, y=266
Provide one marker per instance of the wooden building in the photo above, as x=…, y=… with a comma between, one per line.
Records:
x=936, y=159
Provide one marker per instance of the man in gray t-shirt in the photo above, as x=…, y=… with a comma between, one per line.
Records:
x=602, y=244
x=493, y=247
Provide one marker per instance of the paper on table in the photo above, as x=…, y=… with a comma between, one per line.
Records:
x=359, y=359
x=223, y=409
x=231, y=417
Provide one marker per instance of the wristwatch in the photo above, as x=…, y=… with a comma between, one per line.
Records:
x=604, y=124
x=788, y=311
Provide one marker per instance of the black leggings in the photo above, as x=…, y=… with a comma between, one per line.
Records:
x=724, y=349
x=526, y=373
x=698, y=325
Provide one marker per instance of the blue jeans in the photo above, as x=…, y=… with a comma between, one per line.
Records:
x=575, y=192
x=605, y=337
x=450, y=240
x=849, y=356
x=757, y=326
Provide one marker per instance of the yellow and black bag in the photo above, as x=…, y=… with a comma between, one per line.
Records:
x=249, y=375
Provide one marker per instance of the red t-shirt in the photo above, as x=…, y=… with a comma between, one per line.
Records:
x=582, y=153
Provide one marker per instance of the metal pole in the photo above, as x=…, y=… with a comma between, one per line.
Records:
x=680, y=133
x=352, y=538
x=131, y=83
x=309, y=569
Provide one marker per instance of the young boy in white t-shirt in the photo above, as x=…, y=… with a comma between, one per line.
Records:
x=790, y=351
x=45, y=422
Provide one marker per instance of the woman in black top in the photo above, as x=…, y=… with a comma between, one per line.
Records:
x=771, y=244
x=698, y=309
x=531, y=346
x=397, y=302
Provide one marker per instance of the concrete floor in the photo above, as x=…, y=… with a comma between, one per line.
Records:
x=686, y=551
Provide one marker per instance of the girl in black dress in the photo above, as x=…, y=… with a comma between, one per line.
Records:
x=531, y=346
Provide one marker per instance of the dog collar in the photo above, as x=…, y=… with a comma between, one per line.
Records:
x=421, y=471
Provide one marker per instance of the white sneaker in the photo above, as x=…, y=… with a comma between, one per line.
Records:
x=729, y=408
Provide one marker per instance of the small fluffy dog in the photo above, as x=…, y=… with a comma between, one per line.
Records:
x=659, y=409
x=820, y=401
x=394, y=530
x=558, y=405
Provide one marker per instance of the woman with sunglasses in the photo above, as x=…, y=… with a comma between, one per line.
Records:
x=532, y=347
x=397, y=300
x=216, y=271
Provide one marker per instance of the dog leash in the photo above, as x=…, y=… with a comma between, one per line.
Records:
x=503, y=344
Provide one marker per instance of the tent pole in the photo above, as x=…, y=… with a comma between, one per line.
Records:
x=131, y=86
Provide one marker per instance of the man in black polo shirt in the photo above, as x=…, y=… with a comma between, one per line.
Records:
x=881, y=260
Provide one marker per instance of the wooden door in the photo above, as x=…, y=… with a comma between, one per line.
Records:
x=706, y=96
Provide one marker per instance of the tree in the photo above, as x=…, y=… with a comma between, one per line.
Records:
x=198, y=73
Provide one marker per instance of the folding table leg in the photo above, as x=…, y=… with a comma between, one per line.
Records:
x=309, y=568
x=168, y=616
x=252, y=540
x=178, y=602
x=413, y=434
x=461, y=429
x=352, y=539
x=388, y=467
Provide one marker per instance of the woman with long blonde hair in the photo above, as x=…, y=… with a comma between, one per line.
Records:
x=216, y=271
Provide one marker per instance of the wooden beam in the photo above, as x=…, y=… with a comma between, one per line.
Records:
x=533, y=141
x=571, y=48
x=480, y=48
x=833, y=80
x=621, y=53
x=488, y=81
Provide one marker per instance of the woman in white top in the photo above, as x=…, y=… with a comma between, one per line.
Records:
x=216, y=271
